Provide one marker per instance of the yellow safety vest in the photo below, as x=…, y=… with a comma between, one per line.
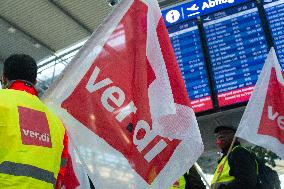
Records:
x=179, y=184
x=31, y=142
x=225, y=177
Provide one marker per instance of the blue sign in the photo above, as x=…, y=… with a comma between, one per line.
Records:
x=196, y=8
x=275, y=14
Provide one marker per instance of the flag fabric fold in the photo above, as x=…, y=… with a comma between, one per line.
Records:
x=125, y=105
x=75, y=175
x=263, y=119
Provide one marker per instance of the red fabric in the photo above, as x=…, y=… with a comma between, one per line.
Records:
x=24, y=86
x=65, y=155
x=271, y=123
x=133, y=75
x=177, y=83
x=66, y=176
x=70, y=179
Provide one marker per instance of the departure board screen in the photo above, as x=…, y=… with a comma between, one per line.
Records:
x=237, y=49
x=275, y=15
x=185, y=39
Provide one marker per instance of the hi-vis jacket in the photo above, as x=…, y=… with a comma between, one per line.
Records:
x=179, y=184
x=31, y=142
x=240, y=171
x=225, y=177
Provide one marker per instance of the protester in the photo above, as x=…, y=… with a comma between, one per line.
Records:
x=190, y=180
x=31, y=135
x=240, y=170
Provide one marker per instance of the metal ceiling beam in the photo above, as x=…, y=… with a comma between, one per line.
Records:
x=58, y=57
x=170, y=2
x=28, y=34
x=73, y=18
x=52, y=51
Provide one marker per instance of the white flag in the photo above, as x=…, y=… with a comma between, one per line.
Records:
x=125, y=104
x=263, y=119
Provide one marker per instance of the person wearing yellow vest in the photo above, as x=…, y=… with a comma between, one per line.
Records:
x=31, y=135
x=190, y=180
x=240, y=170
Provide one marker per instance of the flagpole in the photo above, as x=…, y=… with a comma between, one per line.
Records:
x=226, y=159
x=200, y=172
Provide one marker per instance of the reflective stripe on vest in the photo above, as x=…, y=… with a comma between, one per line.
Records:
x=17, y=169
x=180, y=184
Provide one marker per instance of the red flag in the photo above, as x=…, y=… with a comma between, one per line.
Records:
x=272, y=119
x=263, y=120
x=126, y=107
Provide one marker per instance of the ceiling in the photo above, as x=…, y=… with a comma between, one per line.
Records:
x=42, y=27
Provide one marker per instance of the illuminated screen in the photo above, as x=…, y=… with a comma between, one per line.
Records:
x=185, y=39
x=275, y=16
x=237, y=49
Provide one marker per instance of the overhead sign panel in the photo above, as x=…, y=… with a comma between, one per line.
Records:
x=275, y=14
x=228, y=47
x=196, y=8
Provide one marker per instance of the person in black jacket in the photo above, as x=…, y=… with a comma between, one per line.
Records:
x=190, y=180
x=193, y=179
x=240, y=170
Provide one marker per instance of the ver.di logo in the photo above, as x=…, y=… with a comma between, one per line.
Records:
x=172, y=16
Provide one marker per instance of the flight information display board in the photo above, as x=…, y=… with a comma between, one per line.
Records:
x=237, y=48
x=185, y=39
x=274, y=10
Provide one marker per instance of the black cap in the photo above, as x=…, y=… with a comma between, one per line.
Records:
x=224, y=127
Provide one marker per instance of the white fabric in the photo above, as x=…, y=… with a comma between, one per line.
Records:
x=78, y=168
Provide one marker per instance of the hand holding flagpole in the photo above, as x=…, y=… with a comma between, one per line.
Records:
x=226, y=159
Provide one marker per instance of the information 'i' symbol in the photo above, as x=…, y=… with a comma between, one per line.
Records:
x=172, y=16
